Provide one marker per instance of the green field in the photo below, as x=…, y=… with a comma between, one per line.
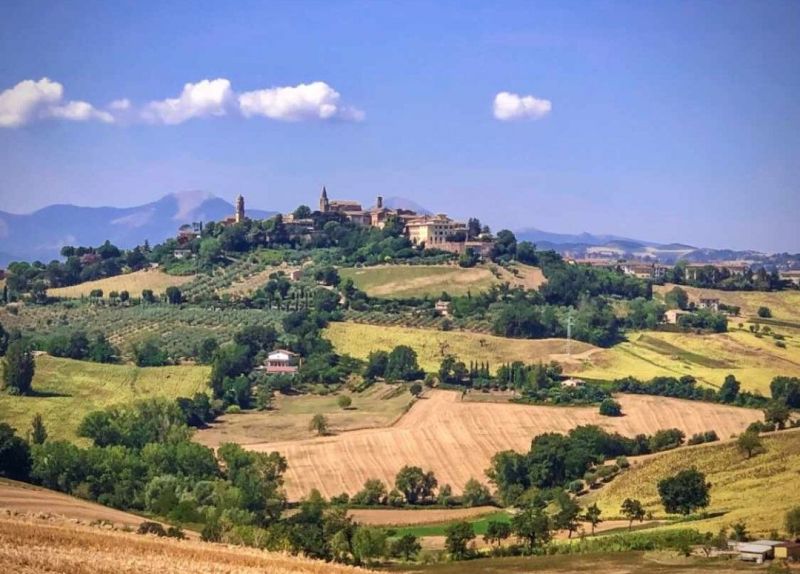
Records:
x=479, y=525
x=708, y=357
x=358, y=340
x=758, y=491
x=66, y=390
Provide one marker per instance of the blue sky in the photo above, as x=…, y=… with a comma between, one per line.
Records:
x=669, y=121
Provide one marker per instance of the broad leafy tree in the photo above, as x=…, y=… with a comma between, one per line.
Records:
x=684, y=492
x=18, y=368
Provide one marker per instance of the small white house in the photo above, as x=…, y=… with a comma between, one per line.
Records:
x=573, y=383
x=281, y=361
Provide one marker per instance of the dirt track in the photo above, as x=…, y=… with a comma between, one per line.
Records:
x=457, y=439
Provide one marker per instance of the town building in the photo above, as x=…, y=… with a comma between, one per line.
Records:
x=433, y=230
x=733, y=269
x=188, y=233
x=238, y=214
x=376, y=216
x=651, y=271
x=281, y=361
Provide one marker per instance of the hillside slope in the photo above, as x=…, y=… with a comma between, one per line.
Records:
x=31, y=546
x=758, y=491
x=66, y=390
x=457, y=439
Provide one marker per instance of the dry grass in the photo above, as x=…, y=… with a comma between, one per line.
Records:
x=709, y=358
x=398, y=281
x=378, y=406
x=758, y=491
x=133, y=283
x=29, y=546
x=66, y=390
x=358, y=340
x=457, y=439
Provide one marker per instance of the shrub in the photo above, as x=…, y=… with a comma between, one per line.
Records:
x=148, y=527
x=344, y=401
x=764, y=312
x=610, y=408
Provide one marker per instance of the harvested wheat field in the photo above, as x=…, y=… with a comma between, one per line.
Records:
x=399, y=281
x=456, y=439
x=29, y=546
x=133, y=283
x=22, y=498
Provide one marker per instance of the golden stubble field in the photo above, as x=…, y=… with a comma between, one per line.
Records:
x=31, y=546
x=133, y=283
x=456, y=439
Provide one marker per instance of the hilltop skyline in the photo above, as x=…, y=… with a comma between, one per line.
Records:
x=674, y=122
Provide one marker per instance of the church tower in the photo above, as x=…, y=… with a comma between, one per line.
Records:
x=239, y=216
x=324, y=204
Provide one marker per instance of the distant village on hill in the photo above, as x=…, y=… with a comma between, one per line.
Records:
x=441, y=232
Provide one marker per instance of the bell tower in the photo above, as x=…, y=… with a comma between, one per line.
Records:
x=239, y=216
x=324, y=204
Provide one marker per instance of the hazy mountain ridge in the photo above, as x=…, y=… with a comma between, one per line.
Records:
x=41, y=234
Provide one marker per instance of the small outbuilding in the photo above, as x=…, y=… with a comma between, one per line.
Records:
x=758, y=550
x=573, y=383
x=787, y=551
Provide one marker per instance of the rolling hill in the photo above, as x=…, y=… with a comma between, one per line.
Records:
x=456, y=438
x=757, y=491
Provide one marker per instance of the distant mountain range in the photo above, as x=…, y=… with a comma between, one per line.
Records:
x=41, y=234
x=586, y=245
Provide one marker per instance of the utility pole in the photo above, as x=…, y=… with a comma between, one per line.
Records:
x=570, y=323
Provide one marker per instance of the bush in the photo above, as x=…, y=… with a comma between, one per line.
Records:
x=610, y=408
x=344, y=401
x=148, y=527
x=764, y=312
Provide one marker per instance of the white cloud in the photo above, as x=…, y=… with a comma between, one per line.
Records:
x=314, y=101
x=123, y=104
x=31, y=100
x=77, y=111
x=23, y=102
x=509, y=107
x=205, y=98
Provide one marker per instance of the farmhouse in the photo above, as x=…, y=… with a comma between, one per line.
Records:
x=573, y=383
x=758, y=550
x=442, y=307
x=711, y=303
x=790, y=276
x=281, y=361
x=671, y=315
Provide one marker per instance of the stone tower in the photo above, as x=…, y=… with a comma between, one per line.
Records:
x=379, y=203
x=324, y=204
x=239, y=216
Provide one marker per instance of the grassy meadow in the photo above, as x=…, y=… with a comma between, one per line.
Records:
x=359, y=340
x=66, y=390
x=758, y=491
x=378, y=406
x=708, y=357
x=133, y=283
